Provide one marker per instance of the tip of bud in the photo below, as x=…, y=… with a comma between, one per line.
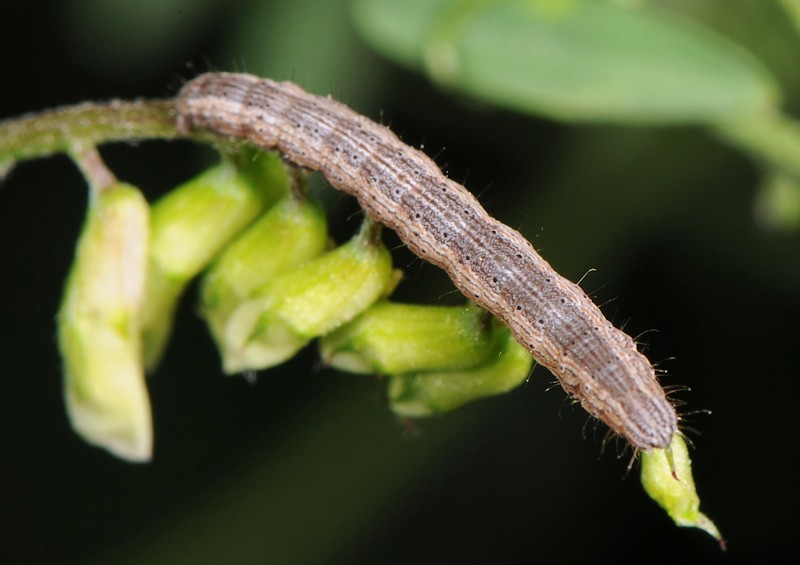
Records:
x=667, y=479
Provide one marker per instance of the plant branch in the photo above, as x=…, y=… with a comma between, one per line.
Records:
x=88, y=160
x=63, y=129
x=58, y=130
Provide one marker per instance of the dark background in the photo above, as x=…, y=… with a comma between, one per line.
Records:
x=308, y=465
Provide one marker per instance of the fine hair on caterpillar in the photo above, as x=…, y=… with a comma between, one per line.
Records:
x=442, y=222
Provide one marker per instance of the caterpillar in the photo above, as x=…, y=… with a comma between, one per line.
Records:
x=444, y=224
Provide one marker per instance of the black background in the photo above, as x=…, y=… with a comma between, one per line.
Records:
x=308, y=465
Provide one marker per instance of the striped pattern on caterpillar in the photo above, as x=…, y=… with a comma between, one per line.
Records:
x=444, y=224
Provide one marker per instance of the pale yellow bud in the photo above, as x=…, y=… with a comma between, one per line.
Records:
x=98, y=326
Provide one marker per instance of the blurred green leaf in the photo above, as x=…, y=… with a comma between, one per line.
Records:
x=778, y=201
x=582, y=60
x=792, y=8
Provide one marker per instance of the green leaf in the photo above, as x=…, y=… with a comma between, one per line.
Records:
x=792, y=8
x=778, y=201
x=581, y=60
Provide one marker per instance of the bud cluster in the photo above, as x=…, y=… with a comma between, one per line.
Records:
x=271, y=283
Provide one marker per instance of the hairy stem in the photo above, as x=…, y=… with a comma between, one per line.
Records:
x=63, y=129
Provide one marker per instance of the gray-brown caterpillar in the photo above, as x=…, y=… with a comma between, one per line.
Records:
x=444, y=224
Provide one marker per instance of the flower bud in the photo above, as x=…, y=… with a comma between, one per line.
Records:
x=308, y=301
x=190, y=226
x=667, y=479
x=98, y=326
x=426, y=393
x=290, y=233
x=391, y=339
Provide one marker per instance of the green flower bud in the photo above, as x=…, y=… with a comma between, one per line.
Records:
x=667, y=479
x=402, y=338
x=190, y=226
x=98, y=326
x=290, y=233
x=308, y=301
x=423, y=394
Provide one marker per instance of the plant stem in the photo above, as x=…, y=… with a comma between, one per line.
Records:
x=59, y=130
x=94, y=170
